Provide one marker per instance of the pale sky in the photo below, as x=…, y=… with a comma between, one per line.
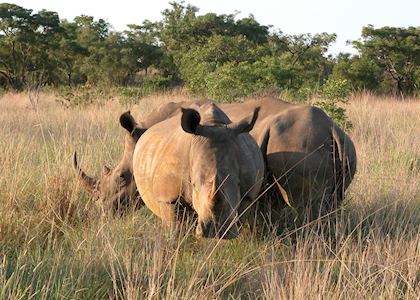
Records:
x=345, y=18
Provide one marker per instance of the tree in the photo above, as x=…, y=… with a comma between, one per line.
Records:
x=182, y=31
x=142, y=43
x=46, y=46
x=71, y=54
x=361, y=72
x=306, y=55
x=28, y=45
x=92, y=35
x=396, y=51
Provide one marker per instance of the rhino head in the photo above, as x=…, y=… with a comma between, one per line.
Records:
x=216, y=169
x=116, y=187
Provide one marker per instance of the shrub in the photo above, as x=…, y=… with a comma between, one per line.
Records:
x=83, y=95
x=128, y=96
x=230, y=82
x=153, y=84
x=149, y=85
x=333, y=93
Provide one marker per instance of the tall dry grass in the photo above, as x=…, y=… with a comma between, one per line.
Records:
x=56, y=243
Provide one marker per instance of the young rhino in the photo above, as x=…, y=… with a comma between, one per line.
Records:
x=202, y=159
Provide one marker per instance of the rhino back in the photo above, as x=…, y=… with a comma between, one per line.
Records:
x=167, y=111
x=291, y=132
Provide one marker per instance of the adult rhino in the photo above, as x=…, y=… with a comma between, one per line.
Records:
x=310, y=157
x=116, y=186
x=201, y=159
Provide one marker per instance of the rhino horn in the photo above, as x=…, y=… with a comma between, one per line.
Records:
x=88, y=182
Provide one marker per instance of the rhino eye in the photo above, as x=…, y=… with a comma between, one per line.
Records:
x=121, y=179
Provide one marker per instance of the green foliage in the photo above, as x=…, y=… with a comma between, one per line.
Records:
x=71, y=53
x=389, y=61
x=396, y=50
x=333, y=93
x=182, y=29
x=228, y=68
x=230, y=82
x=361, y=72
x=27, y=44
x=199, y=52
x=131, y=95
x=220, y=55
x=336, y=90
x=156, y=83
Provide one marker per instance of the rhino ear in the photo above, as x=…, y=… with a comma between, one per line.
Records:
x=137, y=133
x=246, y=124
x=127, y=121
x=190, y=120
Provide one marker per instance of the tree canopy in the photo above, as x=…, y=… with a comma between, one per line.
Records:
x=219, y=55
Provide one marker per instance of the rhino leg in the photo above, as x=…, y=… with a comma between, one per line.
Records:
x=166, y=212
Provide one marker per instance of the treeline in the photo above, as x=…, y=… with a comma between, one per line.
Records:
x=216, y=55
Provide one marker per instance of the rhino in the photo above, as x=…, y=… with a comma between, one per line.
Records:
x=310, y=161
x=202, y=160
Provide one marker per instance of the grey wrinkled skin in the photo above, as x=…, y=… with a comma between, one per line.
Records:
x=200, y=158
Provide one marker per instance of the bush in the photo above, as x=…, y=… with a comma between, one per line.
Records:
x=153, y=84
x=336, y=90
x=230, y=82
x=129, y=95
x=333, y=93
x=149, y=85
x=83, y=95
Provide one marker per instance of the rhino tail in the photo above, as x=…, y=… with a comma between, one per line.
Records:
x=339, y=162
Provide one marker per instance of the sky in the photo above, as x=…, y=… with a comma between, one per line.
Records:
x=345, y=18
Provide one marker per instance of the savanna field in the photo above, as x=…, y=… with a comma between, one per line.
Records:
x=57, y=243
